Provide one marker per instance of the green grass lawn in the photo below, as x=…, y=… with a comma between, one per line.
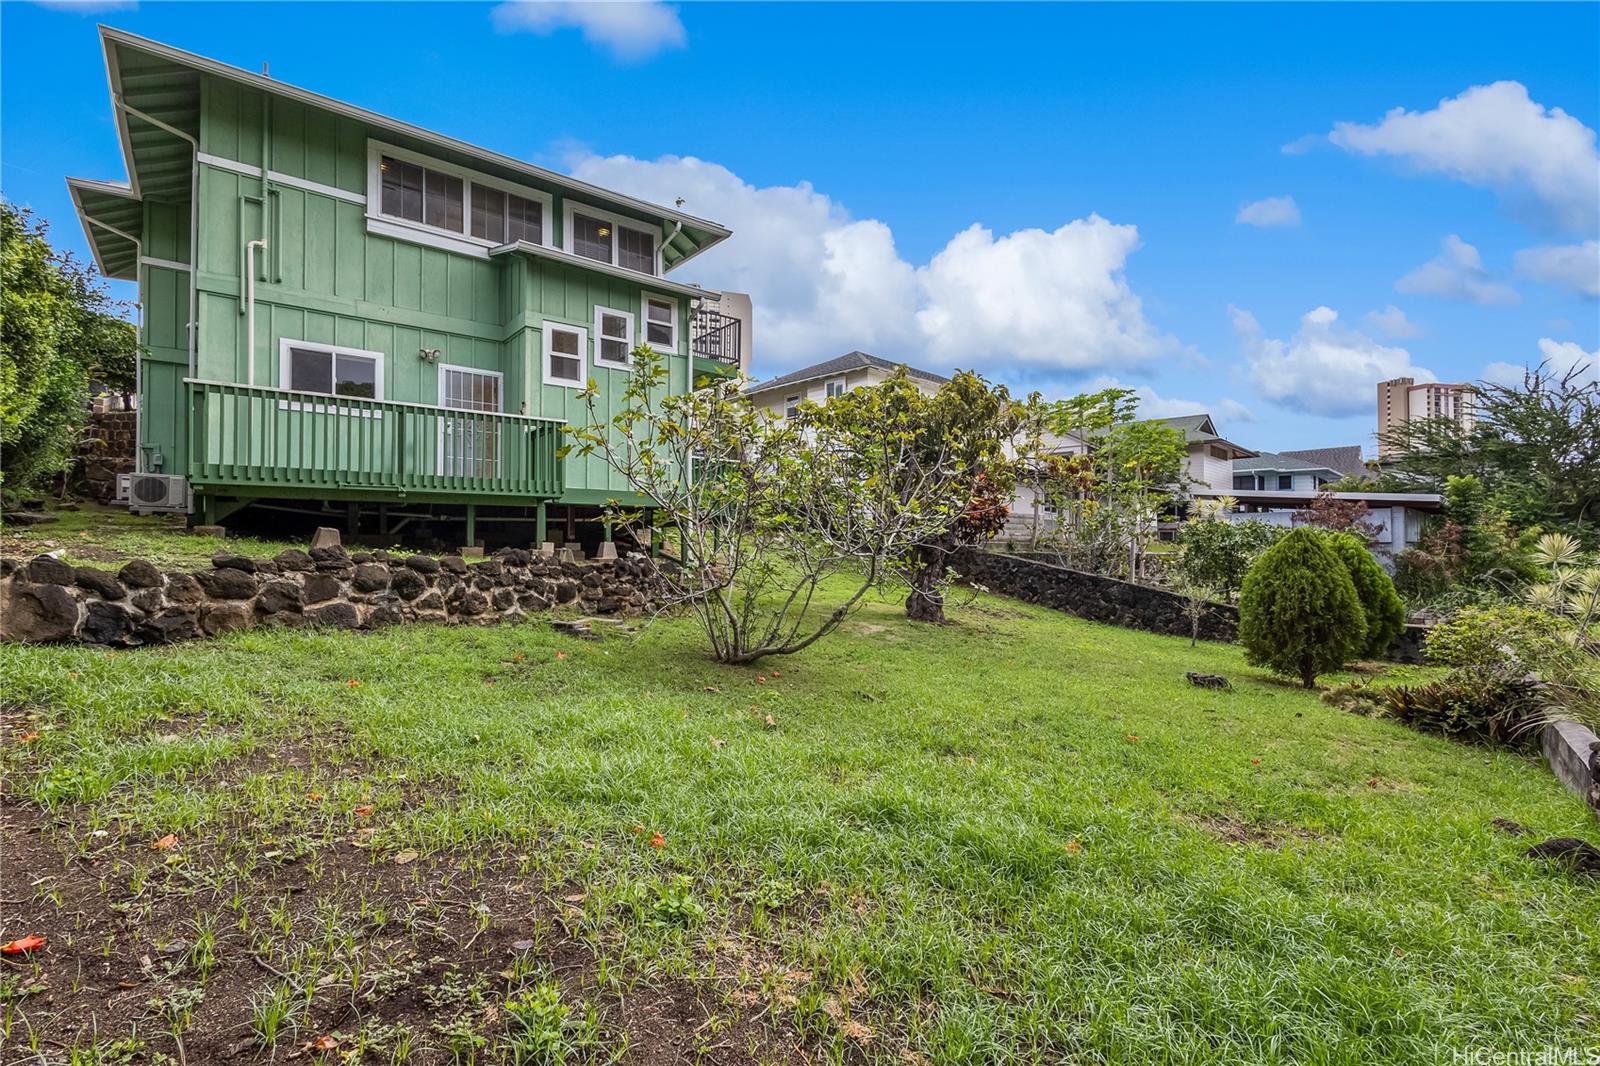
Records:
x=1020, y=837
x=106, y=537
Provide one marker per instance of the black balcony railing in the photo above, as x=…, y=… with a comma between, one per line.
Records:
x=714, y=335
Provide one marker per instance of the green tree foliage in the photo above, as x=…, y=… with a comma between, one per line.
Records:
x=1534, y=446
x=1475, y=545
x=962, y=439
x=58, y=330
x=1115, y=494
x=1299, y=614
x=1381, y=605
x=767, y=510
x=1217, y=553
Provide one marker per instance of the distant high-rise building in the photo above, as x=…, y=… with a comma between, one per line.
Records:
x=1402, y=400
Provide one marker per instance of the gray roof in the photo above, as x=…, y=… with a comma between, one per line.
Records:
x=1308, y=459
x=843, y=364
x=1345, y=458
x=1198, y=429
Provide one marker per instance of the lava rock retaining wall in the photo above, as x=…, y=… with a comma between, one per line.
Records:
x=1122, y=603
x=45, y=600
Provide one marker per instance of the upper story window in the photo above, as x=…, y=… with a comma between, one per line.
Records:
x=608, y=238
x=436, y=203
x=1285, y=482
x=661, y=323
x=835, y=388
x=791, y=406
x=563, y=354
x=504, y=217
x=613, y=337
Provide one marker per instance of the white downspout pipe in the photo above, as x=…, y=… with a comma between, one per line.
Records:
x=250, y=308
x=194, y=218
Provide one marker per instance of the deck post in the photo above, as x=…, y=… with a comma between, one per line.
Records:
x=472, y=526
x=539, y=524
x=655, y=537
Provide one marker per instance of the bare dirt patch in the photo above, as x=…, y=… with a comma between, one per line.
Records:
x=189, y=951
x=1231, y=830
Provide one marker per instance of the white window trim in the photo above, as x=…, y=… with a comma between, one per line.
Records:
x=569, y=241
x=794, y=401
x=443, y=367
x=644, y=320
x=460, y=240
x=826, y=385
x=545, y=329
x=378, y=359
x=627, y=360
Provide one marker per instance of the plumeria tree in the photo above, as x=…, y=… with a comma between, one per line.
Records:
x=956, y=451
x=768, y=510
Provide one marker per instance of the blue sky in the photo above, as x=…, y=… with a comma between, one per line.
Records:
x=1257, y=210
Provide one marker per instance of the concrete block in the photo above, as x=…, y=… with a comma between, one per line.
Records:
x=607, y=550
x=471, y=551
x=325, y=537
x=547, y=548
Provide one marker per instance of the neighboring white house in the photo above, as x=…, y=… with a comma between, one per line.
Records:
x=1400, y=515
x=1211, y=455
x=1303, y=471
x=782, y=395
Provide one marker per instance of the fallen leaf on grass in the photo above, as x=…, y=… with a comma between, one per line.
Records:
x=363, y=810
x=772, y=723
x=576, y=897
x=166, y=843
x=776, y=674
x=323, y=1043
x=1255, y=762
x=1133, y=738
x=561, y=655
x=657, y=841
x=22, y=945
x=314, y=797
x=712, y=688
x=519, y=658
x=403, y=857
x=27, y=738
x=1073, y=847
x=353, y=683
x=761, y=679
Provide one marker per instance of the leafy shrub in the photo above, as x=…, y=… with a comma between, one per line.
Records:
x=1381, y=605
x=1489, y=704
x=1216, y=553
x=1299, y=614
x=1510, y=636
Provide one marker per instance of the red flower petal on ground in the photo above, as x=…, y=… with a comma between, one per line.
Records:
x=166, y=843
x=657, y=840
x=22, y=944
x=363, y=810
x=27, y=738
x=353, y=683
x=324, y=1043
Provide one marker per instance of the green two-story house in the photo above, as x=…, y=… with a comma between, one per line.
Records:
x=351, y=317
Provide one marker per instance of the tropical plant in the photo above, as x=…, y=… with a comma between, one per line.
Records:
x=58, y=331
x=1489, y=704
x=962, y=440
x=1381, y=605
x=1512, y=636
x=1534, y=445
x=1215, y=552
x=768, y=509
x=1573, y=590
x=1299, y=614
x=1329, y=512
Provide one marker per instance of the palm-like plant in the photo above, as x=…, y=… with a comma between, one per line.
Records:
x=1573, y=591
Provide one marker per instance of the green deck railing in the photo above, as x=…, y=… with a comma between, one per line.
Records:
x=245, y=436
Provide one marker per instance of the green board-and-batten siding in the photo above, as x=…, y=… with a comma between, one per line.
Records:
x=326, y=279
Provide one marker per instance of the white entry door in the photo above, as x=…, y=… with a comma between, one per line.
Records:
x=469, y=447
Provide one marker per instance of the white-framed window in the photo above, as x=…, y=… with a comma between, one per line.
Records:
x=835, y=388
x=613, y=337
x=330, y=370
x=413, y=197
x=660, y=316
x=564, y=348
x=607, y=237
x=791, y=406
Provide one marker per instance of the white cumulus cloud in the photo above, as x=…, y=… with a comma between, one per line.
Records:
x=1458, y=273
x=629, y=29
x=1034, y=303
x=1570, y=266
x=1392, y=322
x=1325, y=368
x=1273, y=211
x=1559, y=357
x=1542, y=160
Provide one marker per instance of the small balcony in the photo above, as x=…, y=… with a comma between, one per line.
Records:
x=260, y=441
x=714, y=337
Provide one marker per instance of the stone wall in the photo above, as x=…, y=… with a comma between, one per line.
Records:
x=46, y=600
x=1122, y=603
x=110, y=445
